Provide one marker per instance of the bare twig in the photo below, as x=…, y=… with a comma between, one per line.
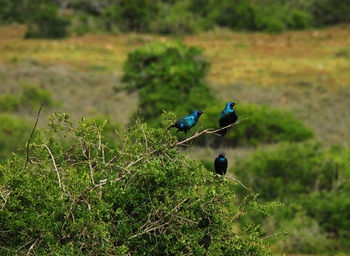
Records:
x=4, y=197
x=32, y=247
x=144, y=135
x=99, y=140
x=238, y=181
x=207, y=131
x=273, y=235
x=91, y=168
x=30, y=137
x=236, y=216
x=55, y=166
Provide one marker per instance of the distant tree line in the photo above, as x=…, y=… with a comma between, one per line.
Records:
x=55, y=18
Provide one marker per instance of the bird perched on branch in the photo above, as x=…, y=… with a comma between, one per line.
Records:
x=220, y=164
x=228, y=116
x=186, y=123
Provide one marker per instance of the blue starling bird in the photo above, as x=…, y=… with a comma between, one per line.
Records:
x=220, y=164
x=186, y=123
x=228, y=116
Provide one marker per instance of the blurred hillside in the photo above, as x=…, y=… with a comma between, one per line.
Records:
x=304, y=72
x=58, y=18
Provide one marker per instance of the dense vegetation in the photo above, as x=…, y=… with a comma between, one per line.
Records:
x=309, y=178
x=312, y=182
x=52, y=18
x=139, y=196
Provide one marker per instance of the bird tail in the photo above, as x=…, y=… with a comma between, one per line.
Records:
x=222, y=132
x=171, y=126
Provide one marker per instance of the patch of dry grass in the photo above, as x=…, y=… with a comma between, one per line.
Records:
x=306, y=72
x=284, y=59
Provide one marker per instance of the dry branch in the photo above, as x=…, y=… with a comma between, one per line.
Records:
x=55, y=166
x=207, y=131
x=30, y=137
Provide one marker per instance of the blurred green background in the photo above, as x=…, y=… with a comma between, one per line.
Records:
x=286, y=61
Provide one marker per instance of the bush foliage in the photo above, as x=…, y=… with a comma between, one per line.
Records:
x=45, y=22
x=168, y=76
x=264, y=125
x=138, y=195
x=313, y=184
x=13, y=134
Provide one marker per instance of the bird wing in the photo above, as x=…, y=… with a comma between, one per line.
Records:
x=226, y=119
x=225, y=165
x=180, y=121
x=217, y=164
x=190, y=120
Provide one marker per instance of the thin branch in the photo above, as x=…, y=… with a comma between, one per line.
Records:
x=30, y=137
x=91, y=168
x=273, y=235
x=32, y=247
x=55, y=166
x=236, y=216
x=207, y=131
x=238, y=181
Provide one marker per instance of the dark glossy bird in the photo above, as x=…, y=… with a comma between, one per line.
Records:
x=186, y=123
x=221, y=164
x=227, y=116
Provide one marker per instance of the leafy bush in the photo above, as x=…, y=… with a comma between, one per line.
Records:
x=327, y=12
x=140, y=196
x=32, y=96
x=8, y=103
x=304, y=235
x=312, y=182
x=133, y=15
x=276, y=18
x=45, y=22
x=291, y=170
x=169, y=76
x=177, y=20
x=264, y=124
x=331, y=210
x=12, y=11
x=13, y=134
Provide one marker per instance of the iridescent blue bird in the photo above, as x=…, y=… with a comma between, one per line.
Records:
x=220, y=164
x=186, y=123
x=228, y=116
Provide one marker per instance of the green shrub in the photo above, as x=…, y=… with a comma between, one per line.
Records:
x=312, y=182
x=45, y=22
x=292, y=170
x=299, y=19
x=13, y=134
x=239, y=14
x=177, y=20
x=135, y=15
x=277, y=17
x=32, y=96
x=331, y=210
x=327, y=12
x=264, y=124
x=12, y=11
x=140, y=196
x=304, y=236
x=169, y=76
x=8, y=103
